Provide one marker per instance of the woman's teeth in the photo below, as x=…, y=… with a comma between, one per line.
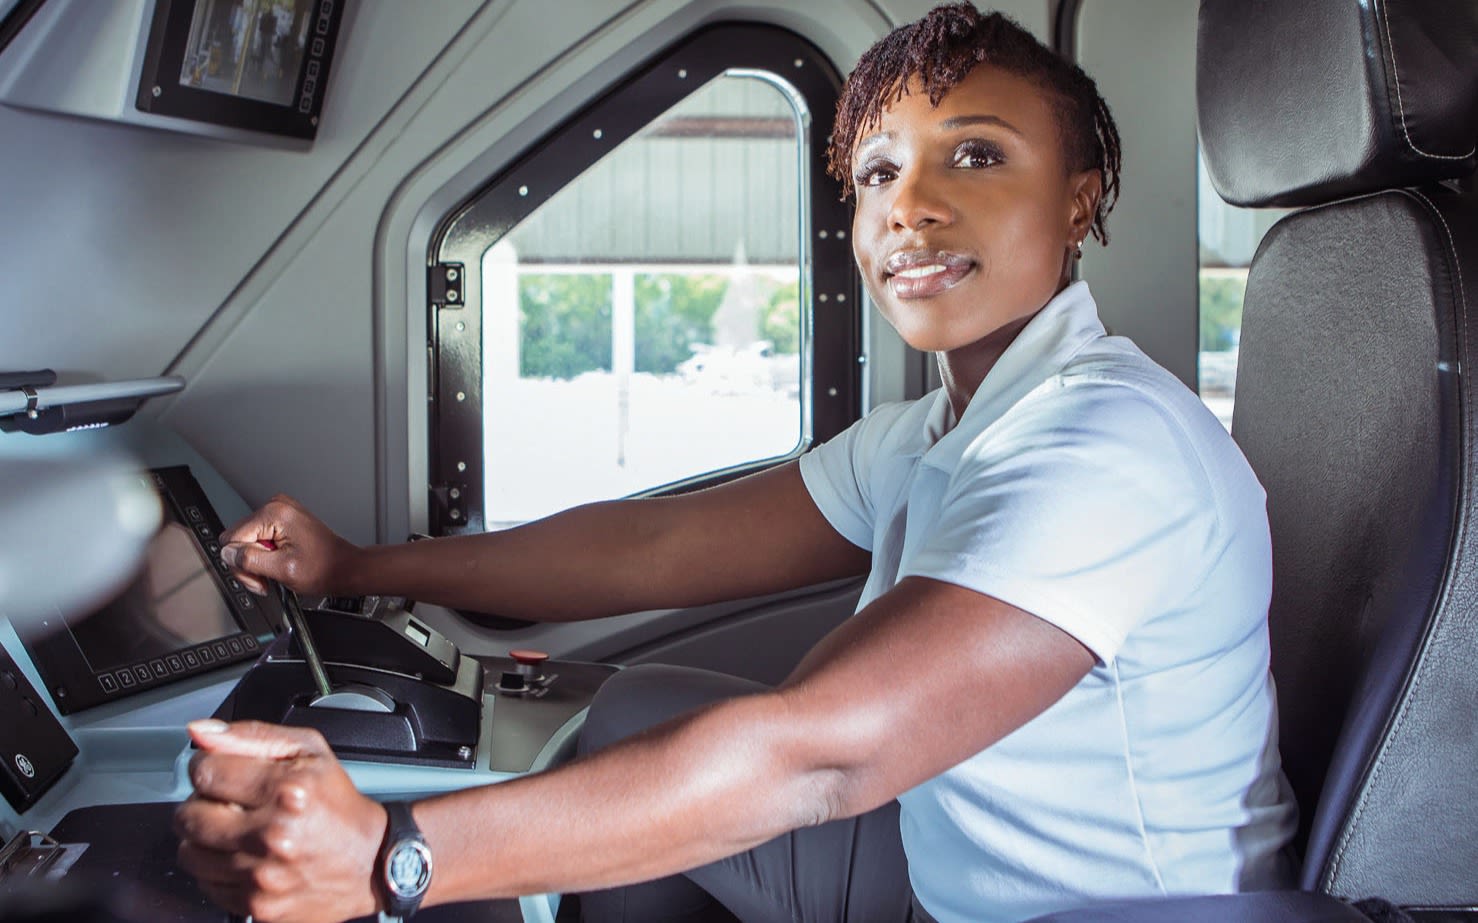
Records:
x=919, y=272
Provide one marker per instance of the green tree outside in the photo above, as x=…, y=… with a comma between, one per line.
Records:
x=564, y=325
x=780, y=319
x=1221, y=311
x=565, y=321
x=674, y=311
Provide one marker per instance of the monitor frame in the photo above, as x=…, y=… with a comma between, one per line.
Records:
x=160, y=91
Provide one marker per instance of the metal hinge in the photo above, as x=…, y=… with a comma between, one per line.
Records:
x=444, y=285
x=449, y=501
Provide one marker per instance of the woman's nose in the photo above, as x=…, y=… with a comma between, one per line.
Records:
x=917, y=203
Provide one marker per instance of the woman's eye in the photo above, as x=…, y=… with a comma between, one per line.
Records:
x=874, y=174
x=974, y=155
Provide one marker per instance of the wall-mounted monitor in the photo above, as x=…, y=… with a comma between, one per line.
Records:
x=261, y=65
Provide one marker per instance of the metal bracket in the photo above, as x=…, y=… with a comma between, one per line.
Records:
x=444, y=285
x=33, y=854
x=450, y=502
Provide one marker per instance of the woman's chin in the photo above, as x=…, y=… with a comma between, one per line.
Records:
x=930, y=339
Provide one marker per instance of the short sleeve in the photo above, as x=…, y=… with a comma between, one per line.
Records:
x=1087, y=507
x=839, y=473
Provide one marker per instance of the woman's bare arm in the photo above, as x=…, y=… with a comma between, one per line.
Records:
x=756, y=535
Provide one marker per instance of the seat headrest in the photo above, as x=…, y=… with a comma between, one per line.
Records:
x=1307, y=101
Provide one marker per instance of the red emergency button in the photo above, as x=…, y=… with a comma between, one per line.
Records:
x=529, y=669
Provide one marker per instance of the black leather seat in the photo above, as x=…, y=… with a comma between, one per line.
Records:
x=1357, y=406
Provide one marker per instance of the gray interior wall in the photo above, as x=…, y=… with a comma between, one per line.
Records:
x=1145, y=281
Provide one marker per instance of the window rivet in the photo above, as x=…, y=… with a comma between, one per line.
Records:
x=451, y=275
x=157, y=92
x=841, y=235
x=862, y=360
x=523, y=190
x=451, y=294
x=831, y=392
x=461, y=466
x=682, y=73
x=822, y=235
x=461, y=395
x=455, y=514
x=822, y=296
x=799, y=62
x=461, y=326
x=841, y=296
x=597, y=133
x=455, y=493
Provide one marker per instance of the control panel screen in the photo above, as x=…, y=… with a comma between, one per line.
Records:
x=183, y=614
x=174, y=603
x=261, y=65
x=248, y=48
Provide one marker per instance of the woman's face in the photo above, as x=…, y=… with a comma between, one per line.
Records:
x=967, y=215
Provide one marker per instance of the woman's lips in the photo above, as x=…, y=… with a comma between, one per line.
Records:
x=927, y=279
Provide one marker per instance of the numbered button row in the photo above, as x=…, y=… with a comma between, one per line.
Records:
x=185, y=662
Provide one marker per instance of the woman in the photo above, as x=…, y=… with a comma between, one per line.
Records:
x=1059, y=664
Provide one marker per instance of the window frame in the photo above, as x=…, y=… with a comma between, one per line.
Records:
x=831, y=396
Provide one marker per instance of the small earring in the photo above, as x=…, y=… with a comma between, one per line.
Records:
x=1078, y=253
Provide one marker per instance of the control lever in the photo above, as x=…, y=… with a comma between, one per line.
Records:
x=299, y=627
x=350, y=696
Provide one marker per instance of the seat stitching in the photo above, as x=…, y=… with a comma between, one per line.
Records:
x=1457, y=265
x=1400, y=106
x=1404, y=710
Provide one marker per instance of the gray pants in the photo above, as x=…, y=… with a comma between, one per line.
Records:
x=848, y=870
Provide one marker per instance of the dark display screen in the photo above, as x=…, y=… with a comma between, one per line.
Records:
x=260, y=65
x=183, y=614
x=248, y=48
x=173, y=603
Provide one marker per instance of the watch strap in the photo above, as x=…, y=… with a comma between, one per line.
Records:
x=400, y=829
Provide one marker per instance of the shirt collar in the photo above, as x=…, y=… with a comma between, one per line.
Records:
x=1043, y=348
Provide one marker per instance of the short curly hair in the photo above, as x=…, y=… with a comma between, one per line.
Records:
x=943, y=47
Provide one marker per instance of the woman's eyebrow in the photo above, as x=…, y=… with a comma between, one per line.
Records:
x=872, y=140
x=949, y=124
x=964, y=121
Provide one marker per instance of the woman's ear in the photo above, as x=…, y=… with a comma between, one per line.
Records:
x=1086, y=188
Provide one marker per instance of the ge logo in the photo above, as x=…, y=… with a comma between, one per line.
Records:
x=24, y=765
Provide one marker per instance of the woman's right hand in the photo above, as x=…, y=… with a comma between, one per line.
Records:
x=282, y=541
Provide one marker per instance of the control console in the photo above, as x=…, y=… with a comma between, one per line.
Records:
x=382, y=686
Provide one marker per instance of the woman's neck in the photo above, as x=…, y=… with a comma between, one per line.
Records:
x=963, y=370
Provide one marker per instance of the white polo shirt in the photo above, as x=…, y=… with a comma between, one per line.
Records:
x=1088, y=486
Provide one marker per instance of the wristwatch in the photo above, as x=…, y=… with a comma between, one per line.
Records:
x=403, y=871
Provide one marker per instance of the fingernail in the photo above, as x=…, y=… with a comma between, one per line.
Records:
x=230, y=555
x=209, y=726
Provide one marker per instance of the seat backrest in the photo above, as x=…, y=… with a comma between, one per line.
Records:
x=1356, y=405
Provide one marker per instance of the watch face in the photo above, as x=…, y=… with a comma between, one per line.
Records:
x=409, y=870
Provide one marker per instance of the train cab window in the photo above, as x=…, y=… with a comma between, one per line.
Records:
x=660, y=297
x=1228, y=237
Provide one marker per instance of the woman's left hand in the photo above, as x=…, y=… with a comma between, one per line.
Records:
x=275, y=828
